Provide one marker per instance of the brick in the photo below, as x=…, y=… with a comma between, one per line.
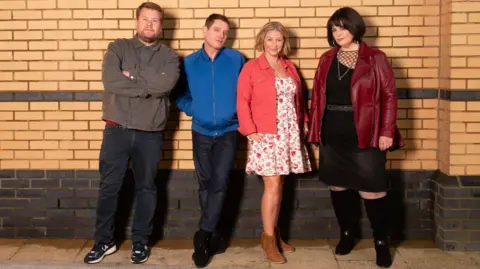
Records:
x=43, y=125
x=464, y=159
x=42, y=25
x=392, y=11
x=41, y=4
x=102, y=4
x=13, y=25
x=86, y=154
x=423, y=52
x=87, y=14
x=6, y=115
x=406, y=165
x=88, y=135
x=28, y=75
x=58, y=135
x=74, y=165
x=103, y=24
x=88, y=75
x=407, y=41
x=464, y=138
x=42, y=65
x=284, y=3
x=269, y=12
x=10, y=164
x=57, y=14
x=239, y=13
x=58, y=55
x=13, y=45
x=73, y=144
x=392, y=31
x=27, y=14
x=27, y=55
x=407, y=21
x=14, y=145
x=6, y=56
x=28, y=115
x=43, y=144
x=424, y=31
x=28, y=154
x=14, y=106
x=58, y=154
x=58, y=75
x=73, y=24
x=422, y=154
x=377, y=2
x=111, y=34
x=43, y=45
x=59, y=115
x=88, y=115
x=44, y=106
x=253, y=3
x=6, y=154
x=473, y=127
x=14, y=4
x=57, y=34
x=6, y=76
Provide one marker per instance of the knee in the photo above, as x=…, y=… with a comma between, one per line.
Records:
x=372, y=195
x=273, y=186
x=335, y=188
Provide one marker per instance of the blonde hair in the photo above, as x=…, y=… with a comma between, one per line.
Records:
x=273, y=26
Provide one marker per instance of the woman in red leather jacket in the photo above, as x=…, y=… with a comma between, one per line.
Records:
x=353, y=117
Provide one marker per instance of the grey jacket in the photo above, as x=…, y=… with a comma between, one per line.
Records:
x=140, y=101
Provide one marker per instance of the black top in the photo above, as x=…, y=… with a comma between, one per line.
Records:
x=339, y=126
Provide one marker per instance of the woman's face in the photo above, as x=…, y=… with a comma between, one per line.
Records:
x=342, y=36
x=273, y=43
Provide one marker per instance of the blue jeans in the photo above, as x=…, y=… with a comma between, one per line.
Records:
x=144, y=150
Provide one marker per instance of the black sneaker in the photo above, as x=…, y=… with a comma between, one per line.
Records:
x=98, y=252
x=140, y=253
x=201, y=243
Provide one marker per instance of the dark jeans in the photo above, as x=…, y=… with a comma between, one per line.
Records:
x=214, y=158
x=118, y=147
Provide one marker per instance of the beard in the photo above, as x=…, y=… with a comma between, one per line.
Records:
x=148, y=39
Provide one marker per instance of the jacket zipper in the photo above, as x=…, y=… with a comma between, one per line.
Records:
x=213, y=95
x=373, y=103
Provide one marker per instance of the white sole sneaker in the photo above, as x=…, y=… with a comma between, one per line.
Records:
x=108, y=252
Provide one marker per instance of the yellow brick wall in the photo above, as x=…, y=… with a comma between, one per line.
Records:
x=459, y=121
x=57, y=45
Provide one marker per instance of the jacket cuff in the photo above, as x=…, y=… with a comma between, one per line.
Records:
x=387, y=132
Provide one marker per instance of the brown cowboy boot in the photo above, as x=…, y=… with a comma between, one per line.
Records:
x=283, y=246
x=270, y=249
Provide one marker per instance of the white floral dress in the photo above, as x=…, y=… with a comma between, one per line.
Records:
x=282, y=153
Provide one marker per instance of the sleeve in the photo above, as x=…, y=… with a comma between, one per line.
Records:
x=114, y=81
x=244, y=99
x=183, y=95
x=160, y=82
x=388, y=95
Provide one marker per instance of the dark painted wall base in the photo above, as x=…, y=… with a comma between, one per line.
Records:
x=61, y=204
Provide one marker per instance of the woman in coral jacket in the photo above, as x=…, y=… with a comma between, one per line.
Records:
x=353, y=116
x=271, y=113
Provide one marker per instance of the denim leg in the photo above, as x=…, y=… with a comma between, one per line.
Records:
x=114, y=156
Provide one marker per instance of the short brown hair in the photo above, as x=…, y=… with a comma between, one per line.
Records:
x=213, y=17
x=273, y=26
x=150, y=5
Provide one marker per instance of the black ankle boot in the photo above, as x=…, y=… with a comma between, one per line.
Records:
x=346, y=205
x=201, y=244
x=378, y=213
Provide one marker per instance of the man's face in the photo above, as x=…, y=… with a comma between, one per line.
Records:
x=217, y=34
x=149, y=25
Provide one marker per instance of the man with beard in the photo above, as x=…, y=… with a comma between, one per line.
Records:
x=138, y=76
x=208, y=94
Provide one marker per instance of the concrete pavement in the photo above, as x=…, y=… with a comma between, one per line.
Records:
x=173, y=254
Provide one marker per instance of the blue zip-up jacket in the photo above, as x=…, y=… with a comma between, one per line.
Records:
x=209, y=93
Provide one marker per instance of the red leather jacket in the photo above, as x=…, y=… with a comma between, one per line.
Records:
x=373, y=93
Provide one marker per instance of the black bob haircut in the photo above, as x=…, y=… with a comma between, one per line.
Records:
x=350, y=20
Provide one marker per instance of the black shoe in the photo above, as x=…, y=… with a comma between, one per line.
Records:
x=218, y=244
x=140, y=253
x=201, y=243
x=346, y=244
x=98, y=252
x=384, y=258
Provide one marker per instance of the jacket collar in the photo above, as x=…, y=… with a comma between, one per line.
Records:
x=138, y=44
x=264, y=63
x=363, y=65
x=205, y=56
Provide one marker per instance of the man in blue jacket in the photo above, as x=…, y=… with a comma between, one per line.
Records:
x=209, y=96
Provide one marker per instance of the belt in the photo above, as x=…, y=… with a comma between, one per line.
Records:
x=339, y=108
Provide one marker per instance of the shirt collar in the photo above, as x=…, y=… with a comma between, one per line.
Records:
x=264, y=63
x=139, y=44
